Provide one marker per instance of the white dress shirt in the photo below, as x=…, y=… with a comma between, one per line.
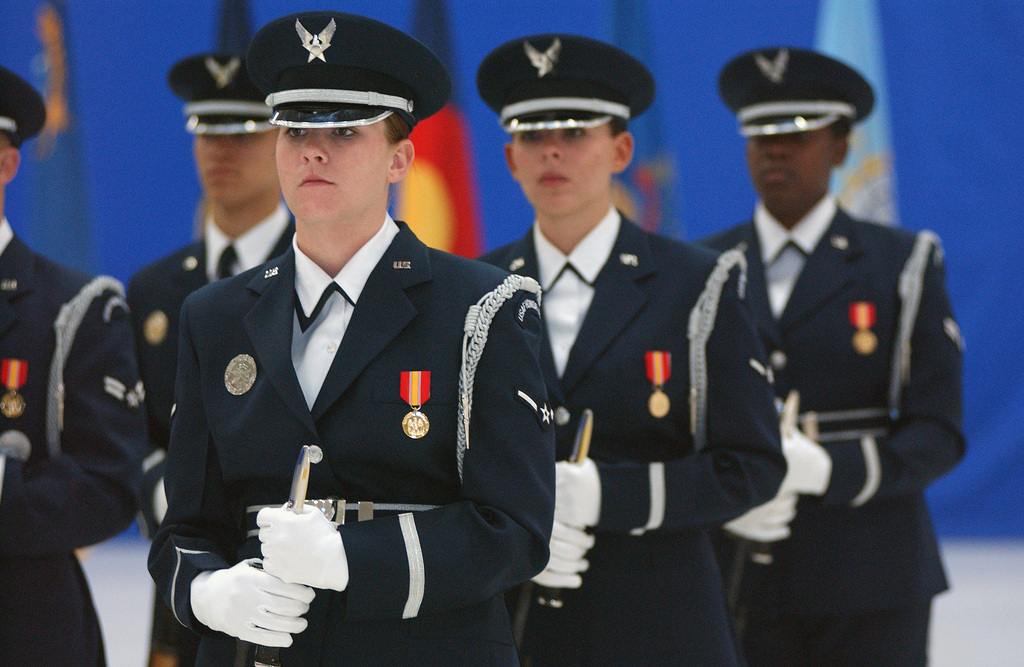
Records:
x=6, y=234
x=774, y=238
x=313, y=350
x=568, y=292
x=252, y=247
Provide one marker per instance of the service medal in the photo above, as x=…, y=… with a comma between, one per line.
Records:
x=240, y=374
x=659, y=370
x=865, y=341
x=14, y=373
x=155, y=327
x=415, y=390
x=658, y=404
x=862, y=316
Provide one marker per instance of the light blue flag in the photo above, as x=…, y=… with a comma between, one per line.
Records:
x=644, y=190
x=60, y=228
x=849, y=30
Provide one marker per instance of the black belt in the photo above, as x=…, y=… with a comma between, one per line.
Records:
x=338, y=511
x=836, y=425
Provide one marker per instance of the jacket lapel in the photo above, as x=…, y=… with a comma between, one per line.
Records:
x=269, y=325
x=617, y=300
x=382, y=311
x=522, y=260
x=15, y=280
x=827, y=271
x=757, y=289
x=188, y=280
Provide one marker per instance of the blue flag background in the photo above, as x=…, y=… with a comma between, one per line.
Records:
x=60, y=223
x=866, y=184
x=955, y=74
x=650, y=180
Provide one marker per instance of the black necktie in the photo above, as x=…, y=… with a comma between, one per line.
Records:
x=305, y=322
x=226, y=263
x=568, y=267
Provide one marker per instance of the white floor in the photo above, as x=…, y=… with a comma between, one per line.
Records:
x=979, y=623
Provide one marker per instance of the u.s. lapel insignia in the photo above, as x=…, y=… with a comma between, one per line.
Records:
x=544, y=61
x=541, y=410
x=517, y=264
x=862, y=316
x=15, y=374
x=9, y=284
x=189, y=263
x=403, y=264
x=223, y=75
x=774, y=69
x=415, y=390
x=840, y=242
x=316, y=44
x=240, y=374
x=155, y=327
x=270, y=273
x=629, y=259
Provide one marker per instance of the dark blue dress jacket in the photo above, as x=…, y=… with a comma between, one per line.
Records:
x=883, y=552
x=655, y=598
x=232, y=452
x=86, y=493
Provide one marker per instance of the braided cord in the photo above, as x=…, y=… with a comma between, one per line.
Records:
x=910, y=287
x=69, y=318
x=477, y=326
x=701, y=324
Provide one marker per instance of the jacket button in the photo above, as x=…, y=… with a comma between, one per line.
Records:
x=778, y=360
x=561, y=415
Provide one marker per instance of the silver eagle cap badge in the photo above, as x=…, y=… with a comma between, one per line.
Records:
x=316, y=44
x=223, y=75
x=774, y=69
x=543, y=61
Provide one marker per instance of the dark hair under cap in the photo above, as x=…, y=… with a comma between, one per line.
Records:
x=778, y=90
x=22, y=112
x=219, y=96
x=565, y=78
x=325, y=67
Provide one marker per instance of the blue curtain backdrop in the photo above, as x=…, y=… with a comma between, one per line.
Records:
x=956, y=83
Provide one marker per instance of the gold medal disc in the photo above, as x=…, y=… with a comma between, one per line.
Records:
x=658, y=404
x=155, y=327
x=865, y=341
x=415, y=424
x=12, y=404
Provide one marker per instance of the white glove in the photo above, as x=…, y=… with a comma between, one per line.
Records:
x=566, y=562
x=768, y=522
x=302, y=548
x=577, y=493
x=808, y=465
x=159, y=501
x=246, y=602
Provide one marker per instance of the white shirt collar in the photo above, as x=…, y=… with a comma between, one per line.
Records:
x=311, y=280
x=6, y=234
x=253, y=247
x=805, y=234
x=588, y=257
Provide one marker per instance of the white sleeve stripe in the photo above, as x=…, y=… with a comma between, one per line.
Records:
x=417, y=576
x=656, y=474
x=174, y=580
x=873, y=471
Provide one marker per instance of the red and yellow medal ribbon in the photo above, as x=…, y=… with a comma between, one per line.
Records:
x=862, y=314
x=415, y=388
x=659, y=367
x=15, y=373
